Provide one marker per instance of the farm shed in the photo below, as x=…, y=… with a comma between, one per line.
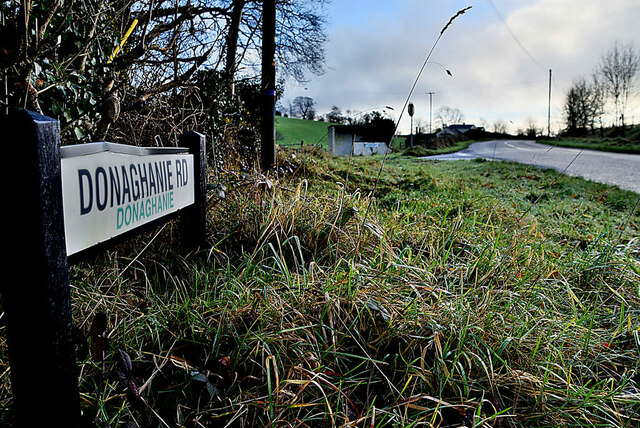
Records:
x=366, y=140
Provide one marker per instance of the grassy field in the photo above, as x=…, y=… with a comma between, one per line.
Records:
x=346, y=294
x=291, y=132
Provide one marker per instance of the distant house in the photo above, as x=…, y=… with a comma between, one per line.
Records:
x=363, y=140
x=456, y=130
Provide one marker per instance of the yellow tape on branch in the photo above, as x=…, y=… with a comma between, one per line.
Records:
x=123, y=41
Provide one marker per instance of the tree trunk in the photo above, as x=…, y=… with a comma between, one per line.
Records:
x=232, y=43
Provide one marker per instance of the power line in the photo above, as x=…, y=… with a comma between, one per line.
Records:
x=524, y=49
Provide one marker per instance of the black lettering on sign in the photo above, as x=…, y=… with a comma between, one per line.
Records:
x=101, y=188
x=182, y=172
x=186, y=172
x=135, y=182
x=144, y=181
x=178, y=173
x=85, y=205
x=115, y=185
x=126, y=187
x=123, y=184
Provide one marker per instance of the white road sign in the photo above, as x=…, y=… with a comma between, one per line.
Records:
x=109, y=189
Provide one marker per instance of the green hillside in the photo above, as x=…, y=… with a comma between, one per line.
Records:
x=290, y=132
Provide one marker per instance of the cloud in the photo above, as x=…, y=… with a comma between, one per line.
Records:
x=499, y=60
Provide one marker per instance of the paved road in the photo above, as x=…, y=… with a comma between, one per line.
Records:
x=618, y=169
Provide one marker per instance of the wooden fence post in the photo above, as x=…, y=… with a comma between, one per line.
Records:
x=194, y=219
x=36, y=300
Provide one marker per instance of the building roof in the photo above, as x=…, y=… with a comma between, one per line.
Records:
x=353, y=128
x=456, y=129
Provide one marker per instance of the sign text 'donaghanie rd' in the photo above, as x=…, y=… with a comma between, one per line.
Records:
x=112, y=189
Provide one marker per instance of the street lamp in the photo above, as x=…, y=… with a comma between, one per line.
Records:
x=443, y=67
x=431, y=95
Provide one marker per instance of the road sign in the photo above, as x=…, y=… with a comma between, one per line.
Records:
x=109, y=189
x=115, y=188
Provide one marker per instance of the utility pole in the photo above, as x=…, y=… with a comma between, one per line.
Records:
x=430, y=110
x=268, y=137
x=549, y=112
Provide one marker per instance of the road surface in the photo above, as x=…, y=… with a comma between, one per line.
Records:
x=622, y=170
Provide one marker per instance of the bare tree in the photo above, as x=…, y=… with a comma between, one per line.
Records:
x=300, y=34
x=500, y=126
x=532, y=130
x=483, y=123
x=617, y=71
x=303, y=107
x=66, y=60
x=584, y=104
x=448, y=116
x=335, y=115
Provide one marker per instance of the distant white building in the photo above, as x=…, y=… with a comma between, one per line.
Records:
x=363, y=140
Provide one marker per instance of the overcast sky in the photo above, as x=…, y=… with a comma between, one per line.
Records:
x=499, y=52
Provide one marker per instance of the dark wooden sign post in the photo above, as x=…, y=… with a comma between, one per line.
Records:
x=37, y=301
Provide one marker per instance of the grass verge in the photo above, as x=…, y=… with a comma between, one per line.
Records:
x=419, y=151
x=443, y=294
x=614, y=142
